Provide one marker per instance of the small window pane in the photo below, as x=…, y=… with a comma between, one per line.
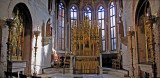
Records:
x=62, y=22
x=112, y=33
x=71, y=15
x=114, y=44
x=102, y=24
x=62, y=44
x=102, y=15
x=90, y=16
x=111, y=12
x=75, y=15
x=63, y=12
x=62, y=32
x=103, y=35
x=103, y=45
x=113, y=20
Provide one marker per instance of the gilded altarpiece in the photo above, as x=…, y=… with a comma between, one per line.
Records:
x=86, y=44
x=17, y=38
x=149, y=40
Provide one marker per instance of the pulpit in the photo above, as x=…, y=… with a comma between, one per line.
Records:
x=86, y=41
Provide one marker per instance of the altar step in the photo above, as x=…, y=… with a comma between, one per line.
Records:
x=111, y=71
x=55, y=70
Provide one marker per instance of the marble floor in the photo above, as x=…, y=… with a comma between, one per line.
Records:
x=82, y=76
x=58, y=73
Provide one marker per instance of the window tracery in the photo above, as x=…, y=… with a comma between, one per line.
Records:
x=112, y=26
x=101, y=24
x=61, y=27
x=88, y=13
x=73, y=16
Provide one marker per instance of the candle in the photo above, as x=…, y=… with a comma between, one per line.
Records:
x=129, y=28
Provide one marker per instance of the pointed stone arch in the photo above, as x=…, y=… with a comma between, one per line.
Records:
x=139, y=22
x=24, y=13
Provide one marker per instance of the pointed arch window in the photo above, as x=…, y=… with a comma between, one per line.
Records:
x=101, y=23
x=61, y=27
x=73, y=16
x=112, y=26
x=88, y=12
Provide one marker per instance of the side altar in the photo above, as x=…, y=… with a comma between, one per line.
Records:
x=86, y=42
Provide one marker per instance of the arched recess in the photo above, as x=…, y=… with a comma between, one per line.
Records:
x=48, y=28
x=142, y=11
x=23, y=27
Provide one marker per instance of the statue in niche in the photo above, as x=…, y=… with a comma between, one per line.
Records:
x=48, y=28
x=87, y=44
x=46, y=35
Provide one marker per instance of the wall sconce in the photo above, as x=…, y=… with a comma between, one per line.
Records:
x=36, y=33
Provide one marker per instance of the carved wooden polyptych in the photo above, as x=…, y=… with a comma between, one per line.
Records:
x=86, y=47
x=17, y=38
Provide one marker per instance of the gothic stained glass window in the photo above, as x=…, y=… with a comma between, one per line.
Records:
x=112, y=26
x=61, y=27
x=73, y=16
x=101, y=24
x=88, y=13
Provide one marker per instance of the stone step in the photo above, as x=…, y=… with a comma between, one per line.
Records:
x=115, y=70
x=55, y=70
x=122, y=73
